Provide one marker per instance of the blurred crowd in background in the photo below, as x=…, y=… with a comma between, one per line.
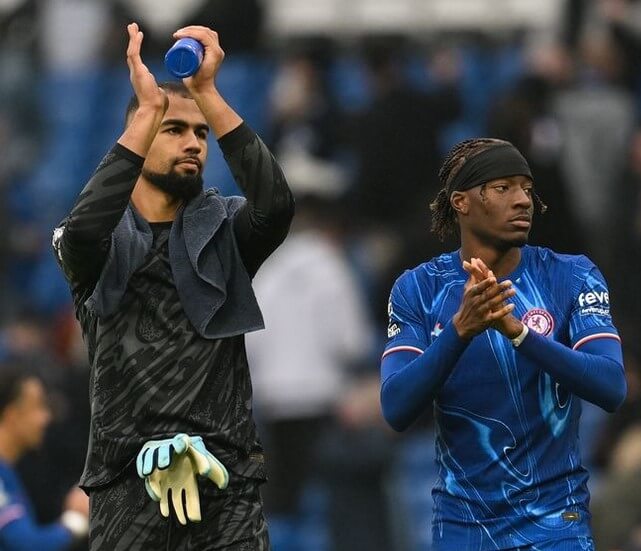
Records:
x=360, y=122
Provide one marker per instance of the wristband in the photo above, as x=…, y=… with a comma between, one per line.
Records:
x=516, y=341
x=76, y=523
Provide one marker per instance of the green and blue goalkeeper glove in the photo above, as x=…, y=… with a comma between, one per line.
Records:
x=171, y=465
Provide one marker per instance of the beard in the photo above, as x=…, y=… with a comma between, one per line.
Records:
x=184, y=187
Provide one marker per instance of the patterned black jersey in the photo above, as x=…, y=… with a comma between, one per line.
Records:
x=153, y=375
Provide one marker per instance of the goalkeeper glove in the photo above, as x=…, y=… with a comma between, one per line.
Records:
x=171, y=466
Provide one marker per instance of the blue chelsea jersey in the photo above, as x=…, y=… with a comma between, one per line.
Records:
x=507, y=446
x=14, y=502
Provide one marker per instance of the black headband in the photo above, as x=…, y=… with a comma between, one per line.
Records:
x=496, y=162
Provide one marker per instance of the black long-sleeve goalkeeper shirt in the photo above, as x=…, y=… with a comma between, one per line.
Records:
x=153, y=375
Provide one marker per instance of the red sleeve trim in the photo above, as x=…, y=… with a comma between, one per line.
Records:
x=589, y=338
x=402, y=348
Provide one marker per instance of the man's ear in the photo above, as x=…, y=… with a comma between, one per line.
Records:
x=459, y=202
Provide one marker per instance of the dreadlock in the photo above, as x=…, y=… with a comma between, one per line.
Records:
x=443, y=215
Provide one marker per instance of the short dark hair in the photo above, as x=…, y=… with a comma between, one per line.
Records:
x=443, y=215
x=12, y=379
x=175, y=87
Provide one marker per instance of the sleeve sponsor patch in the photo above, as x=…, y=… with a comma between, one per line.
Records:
x=393, y=328
x=594, y=303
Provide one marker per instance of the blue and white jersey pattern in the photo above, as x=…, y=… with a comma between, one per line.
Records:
x=14, y=503
x=507, y=447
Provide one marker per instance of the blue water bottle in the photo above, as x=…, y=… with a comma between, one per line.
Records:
x=183, y=59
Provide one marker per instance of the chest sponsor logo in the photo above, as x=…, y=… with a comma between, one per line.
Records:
x=539, y=320
x=594, y=303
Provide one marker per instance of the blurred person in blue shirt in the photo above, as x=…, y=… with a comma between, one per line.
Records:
x=24, y=416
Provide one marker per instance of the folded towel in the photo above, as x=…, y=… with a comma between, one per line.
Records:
x=213, y=285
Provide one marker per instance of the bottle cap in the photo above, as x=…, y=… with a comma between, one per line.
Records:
x=183, y=59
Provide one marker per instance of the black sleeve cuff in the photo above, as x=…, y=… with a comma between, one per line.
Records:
x=122, y=151
x=236, y=139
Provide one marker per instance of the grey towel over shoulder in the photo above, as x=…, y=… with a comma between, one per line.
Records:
x=213, y=285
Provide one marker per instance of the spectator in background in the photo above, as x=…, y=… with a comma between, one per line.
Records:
x=24, y=416
x=396, y=138
x=616, y=507
x=24, y=337
x=20, y=139
x=625, y=418
x=20, y=123
x=397, y=154
x=356, y=458
x=626, y=228
x=618, y=21
x=306, y=117
x=597, y=116
x=525, y=116
x=76, y=57
x=30, y=340
x=596, y=112
x=623, y=20
x=318, y=331
x=60, y=459
x=240, y=22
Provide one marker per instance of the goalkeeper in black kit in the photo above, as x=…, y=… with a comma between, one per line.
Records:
x=160, y=272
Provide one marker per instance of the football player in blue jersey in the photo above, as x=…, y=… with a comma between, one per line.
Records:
x=24, y=416
x=503, y=339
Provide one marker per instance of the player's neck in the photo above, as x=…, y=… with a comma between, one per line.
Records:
x=153, y=204
x=9, y=451
x=502, y=263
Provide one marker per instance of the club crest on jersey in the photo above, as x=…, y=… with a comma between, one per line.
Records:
x=539, y=320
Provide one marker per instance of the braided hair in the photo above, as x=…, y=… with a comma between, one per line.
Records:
x=444, y=219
